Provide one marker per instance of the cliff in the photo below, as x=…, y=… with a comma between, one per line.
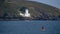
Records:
x=38, y=11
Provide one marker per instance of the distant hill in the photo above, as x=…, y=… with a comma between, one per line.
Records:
x=37, y=10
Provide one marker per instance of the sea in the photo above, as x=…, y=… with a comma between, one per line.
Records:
x=30, y=27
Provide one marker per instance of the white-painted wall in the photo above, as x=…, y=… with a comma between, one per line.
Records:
x=26, y=14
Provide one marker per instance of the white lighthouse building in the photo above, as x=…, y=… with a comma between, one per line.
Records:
x=26, y=14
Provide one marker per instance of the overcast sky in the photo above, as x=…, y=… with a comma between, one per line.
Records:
x=55, y=3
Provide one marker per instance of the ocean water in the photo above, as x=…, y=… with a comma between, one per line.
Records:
x=29, y=27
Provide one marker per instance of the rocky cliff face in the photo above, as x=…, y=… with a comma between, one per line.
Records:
x=37, y=10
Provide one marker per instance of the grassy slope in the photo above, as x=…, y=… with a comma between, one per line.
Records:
x=36, y=9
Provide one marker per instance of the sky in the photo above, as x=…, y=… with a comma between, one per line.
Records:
x=55, y=3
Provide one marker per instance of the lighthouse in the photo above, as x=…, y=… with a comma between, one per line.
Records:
x=26, y=13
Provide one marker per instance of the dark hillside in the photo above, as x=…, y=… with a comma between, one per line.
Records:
x=37, y=10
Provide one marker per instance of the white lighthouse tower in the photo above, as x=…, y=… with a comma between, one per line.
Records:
x=26, y=14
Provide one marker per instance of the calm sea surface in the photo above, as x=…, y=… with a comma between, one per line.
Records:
x=29, y=27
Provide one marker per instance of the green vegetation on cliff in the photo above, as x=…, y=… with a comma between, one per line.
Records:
x=37, y=10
